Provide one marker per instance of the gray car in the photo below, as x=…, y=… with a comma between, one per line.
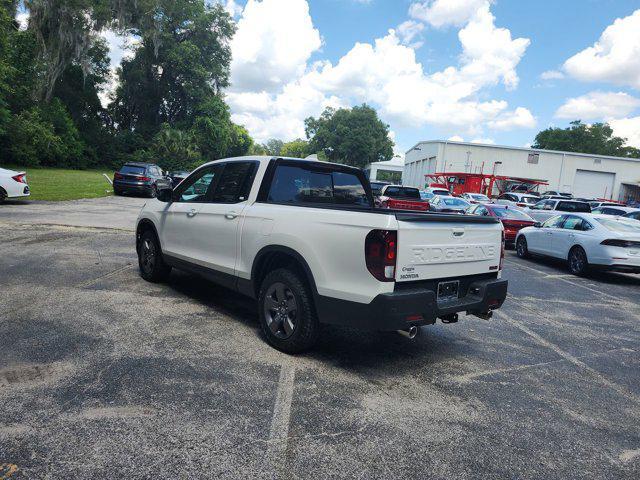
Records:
x=140, y=178
x=443, y=204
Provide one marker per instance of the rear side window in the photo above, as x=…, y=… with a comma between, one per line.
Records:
x=133, y=170
x=580, y=207
x=298, y=186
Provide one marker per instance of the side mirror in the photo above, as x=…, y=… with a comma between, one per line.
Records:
x=537, y=225
x=165, y=194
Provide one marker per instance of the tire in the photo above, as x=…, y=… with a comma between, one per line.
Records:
x=3, y=195
x=522, y=249
x=287, y=315
x=578, y=262
x=117, y=193
x=152, y=266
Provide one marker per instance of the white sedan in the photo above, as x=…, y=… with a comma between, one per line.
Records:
x=585, y=241
x=13, y=184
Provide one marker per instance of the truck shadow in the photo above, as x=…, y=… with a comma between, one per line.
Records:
x=338, y=346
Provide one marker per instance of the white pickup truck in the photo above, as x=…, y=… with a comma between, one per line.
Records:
x=305, y=239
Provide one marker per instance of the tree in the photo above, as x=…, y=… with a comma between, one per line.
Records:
x=295, y=149
x=352, y=136
x=177, y=68
x=241, y=142
x=595, y=139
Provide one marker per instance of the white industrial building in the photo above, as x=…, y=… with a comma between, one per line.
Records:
x=584, y=175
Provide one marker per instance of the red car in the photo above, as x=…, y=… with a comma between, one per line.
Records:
x=401, y=198
x=513, y=219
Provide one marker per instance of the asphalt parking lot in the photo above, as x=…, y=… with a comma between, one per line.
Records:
x=103, y=375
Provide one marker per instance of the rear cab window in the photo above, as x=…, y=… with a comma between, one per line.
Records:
x=580, y=207
x=403, y=192
x=309, y=184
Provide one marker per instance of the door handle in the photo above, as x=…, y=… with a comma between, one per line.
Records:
x=192, y=213
x=230, y=215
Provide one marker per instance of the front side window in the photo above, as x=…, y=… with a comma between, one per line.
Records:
x=298, y=186
x=195, y=189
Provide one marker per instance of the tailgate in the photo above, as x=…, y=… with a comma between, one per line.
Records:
x=436, y=246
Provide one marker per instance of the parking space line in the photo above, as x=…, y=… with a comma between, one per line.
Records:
x=113, y=273
x=561, y=278
x=279, y=432
x=570, y=358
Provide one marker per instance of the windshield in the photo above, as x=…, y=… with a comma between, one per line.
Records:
x=454, y=202
x=620, y=224
x=441, y=192
x=511, y=214
x=478, y=196
x=402, y=192
x=133, y=170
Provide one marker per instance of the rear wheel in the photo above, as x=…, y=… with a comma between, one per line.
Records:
x=150, y=261
x=3, y=195
x=287, y=315
x=522, y=249
x=578, y=262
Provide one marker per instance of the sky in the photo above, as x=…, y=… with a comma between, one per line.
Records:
x=488, y=71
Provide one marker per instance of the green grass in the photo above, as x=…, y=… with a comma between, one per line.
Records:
x=57, y=184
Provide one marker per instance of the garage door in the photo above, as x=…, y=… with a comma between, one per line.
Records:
x=590, y=184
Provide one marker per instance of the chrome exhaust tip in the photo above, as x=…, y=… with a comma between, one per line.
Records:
x=410, y=333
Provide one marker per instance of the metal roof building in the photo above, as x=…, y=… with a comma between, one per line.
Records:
x=584, y=175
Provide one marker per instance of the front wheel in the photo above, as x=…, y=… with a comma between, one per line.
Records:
x=152, y=266
x=522, y=249
x=578, y=262
x=287, y=314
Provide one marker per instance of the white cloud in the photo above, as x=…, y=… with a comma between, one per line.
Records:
x=614, y=58
x=408, y=31
x=552, y=75
x=519, y=118
x=384, y=73
x=232, y=7
x=628, y=128
x=456, y=138
x=274, y=41
x=442, y=13
x=598, y=105
x=23, y=19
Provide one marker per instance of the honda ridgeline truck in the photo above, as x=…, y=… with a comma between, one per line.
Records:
x=305, y=240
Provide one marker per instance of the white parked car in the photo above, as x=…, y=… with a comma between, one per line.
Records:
x=304, y=239
x=585, y=241
x=545, y=209
x=475, y=198
x=13, y=184
x=438, y=191
x=514, y=199
x=617, y=210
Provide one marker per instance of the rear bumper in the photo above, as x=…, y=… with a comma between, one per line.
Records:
x=132, y=187
x=390, y=311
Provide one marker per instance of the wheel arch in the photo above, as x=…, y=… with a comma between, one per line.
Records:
x=272, y=257
x=145, y=225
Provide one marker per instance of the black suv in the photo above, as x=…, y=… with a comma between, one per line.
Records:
x=142, y=178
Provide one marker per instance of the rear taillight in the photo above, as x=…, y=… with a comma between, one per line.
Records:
x=502, y=252
x=22, y=178
x=380, y=251
x=118, y=176
x=143, y=179
x=620, y=243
